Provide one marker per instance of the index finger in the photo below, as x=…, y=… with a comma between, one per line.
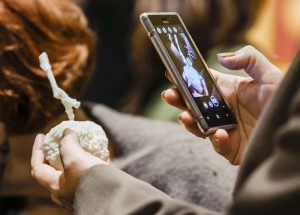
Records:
x=37, y=151
x=253, y=62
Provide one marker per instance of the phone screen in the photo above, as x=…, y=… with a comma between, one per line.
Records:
x=189, y=64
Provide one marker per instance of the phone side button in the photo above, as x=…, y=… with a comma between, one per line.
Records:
x=199, y=117
x=151, y=34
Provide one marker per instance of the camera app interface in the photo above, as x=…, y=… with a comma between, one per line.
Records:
x=195, y=76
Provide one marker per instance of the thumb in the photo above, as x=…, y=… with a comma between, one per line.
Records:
x=74, y=158
x=70, y=149
x=253, y=62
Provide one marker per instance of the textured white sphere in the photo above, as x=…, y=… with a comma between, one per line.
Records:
x=92, y=139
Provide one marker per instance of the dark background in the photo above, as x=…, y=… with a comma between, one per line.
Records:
x=112, y=18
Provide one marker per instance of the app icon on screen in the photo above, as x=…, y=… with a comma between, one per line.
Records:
x=164, y=30
x=214, y=101
x=158, y=30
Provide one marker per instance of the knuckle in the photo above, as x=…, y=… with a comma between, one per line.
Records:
x=70, y=164
x=252, y=52
x=233, y=161
x=218, y=150
x=277, y=71
x=54, y=189
x=35, y=174
x=250, y=48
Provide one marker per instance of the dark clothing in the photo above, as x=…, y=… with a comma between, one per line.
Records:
x=268, y=182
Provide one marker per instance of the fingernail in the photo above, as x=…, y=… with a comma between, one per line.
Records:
x=67, y=131
x=179, y=117
x=163, y=95
x=226, y=54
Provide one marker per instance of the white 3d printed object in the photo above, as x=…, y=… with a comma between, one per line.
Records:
x=58, y=93
x=92, y=137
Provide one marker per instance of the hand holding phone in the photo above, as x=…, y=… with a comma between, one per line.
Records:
x=189, y=71
x=246, y=96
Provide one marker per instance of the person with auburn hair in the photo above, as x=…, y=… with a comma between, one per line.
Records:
x=27, y=28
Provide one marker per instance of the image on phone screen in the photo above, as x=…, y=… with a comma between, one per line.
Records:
x=195, y=80
x=195, y=75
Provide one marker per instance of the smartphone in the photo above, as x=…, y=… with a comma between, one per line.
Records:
x=189, y=71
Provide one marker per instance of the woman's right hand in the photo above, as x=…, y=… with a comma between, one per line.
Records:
x=245, y=96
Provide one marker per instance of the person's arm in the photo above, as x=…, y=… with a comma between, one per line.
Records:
x=107, y=190
x=103, y=189
x=246, y=96
x=148, y=149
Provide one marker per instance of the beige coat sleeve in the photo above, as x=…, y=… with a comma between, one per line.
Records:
x=109, y=191
x=269, y=177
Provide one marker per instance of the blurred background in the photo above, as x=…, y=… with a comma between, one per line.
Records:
x=130, y=76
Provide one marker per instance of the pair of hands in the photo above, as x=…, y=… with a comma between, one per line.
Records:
x=246, y=96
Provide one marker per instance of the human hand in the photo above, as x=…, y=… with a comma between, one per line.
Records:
x=246, y=97
x=62, y=184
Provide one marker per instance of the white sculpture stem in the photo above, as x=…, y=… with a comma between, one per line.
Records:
x=58, y=93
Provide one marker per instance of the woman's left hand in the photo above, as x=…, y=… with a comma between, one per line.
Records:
x=62, y=184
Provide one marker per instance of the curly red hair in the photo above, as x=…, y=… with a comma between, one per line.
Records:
x=27, y=28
